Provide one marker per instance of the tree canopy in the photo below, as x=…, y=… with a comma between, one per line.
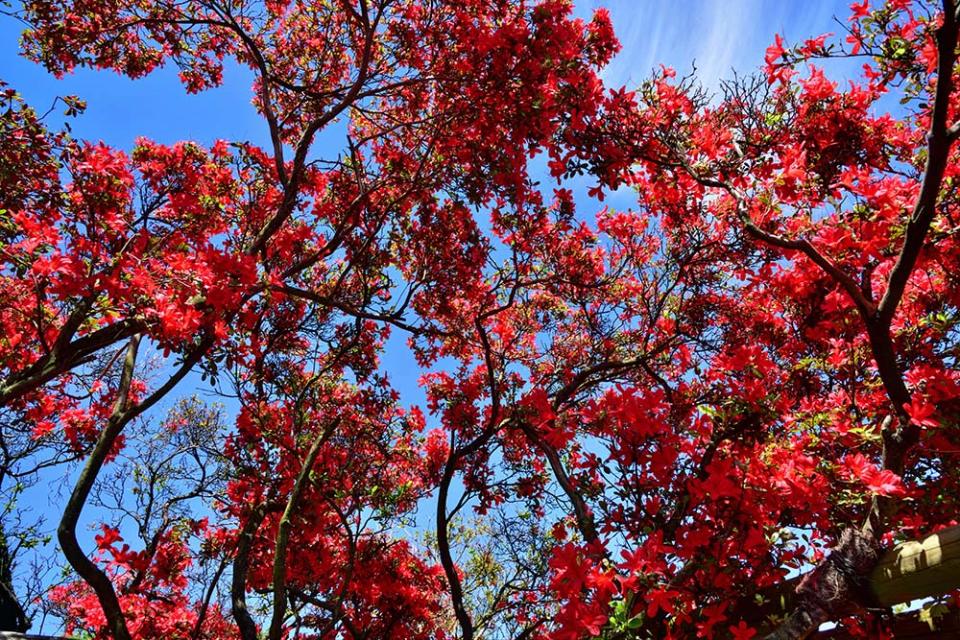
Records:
x=640, y=423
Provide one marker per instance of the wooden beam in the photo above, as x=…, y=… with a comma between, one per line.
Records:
x=918, y=568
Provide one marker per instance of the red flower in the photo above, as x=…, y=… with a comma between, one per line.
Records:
x=921, y=413
x=742, y=631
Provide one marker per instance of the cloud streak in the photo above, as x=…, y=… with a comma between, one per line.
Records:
x=718, y=35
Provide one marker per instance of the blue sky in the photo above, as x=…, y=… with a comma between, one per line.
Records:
x=718, y=35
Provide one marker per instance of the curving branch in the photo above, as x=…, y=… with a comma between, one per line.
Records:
x=65, y=355
x=939, y=140
x=283, y=533
x=122, y=414
x=298, y=171
x=241, y=566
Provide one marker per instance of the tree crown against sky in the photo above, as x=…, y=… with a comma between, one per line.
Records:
x=638, y=421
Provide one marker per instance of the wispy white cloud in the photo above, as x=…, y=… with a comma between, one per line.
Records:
x=726, y=28
x=718, y=35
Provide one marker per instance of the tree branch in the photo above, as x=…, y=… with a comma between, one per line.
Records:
x=122, y=414
x=283, y=534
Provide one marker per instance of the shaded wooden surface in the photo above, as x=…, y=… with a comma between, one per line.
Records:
x=919, y=568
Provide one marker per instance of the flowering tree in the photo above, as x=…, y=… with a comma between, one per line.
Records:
x=815, y=402
x=638, y=423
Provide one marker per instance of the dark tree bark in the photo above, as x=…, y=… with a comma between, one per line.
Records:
x=12, y=615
